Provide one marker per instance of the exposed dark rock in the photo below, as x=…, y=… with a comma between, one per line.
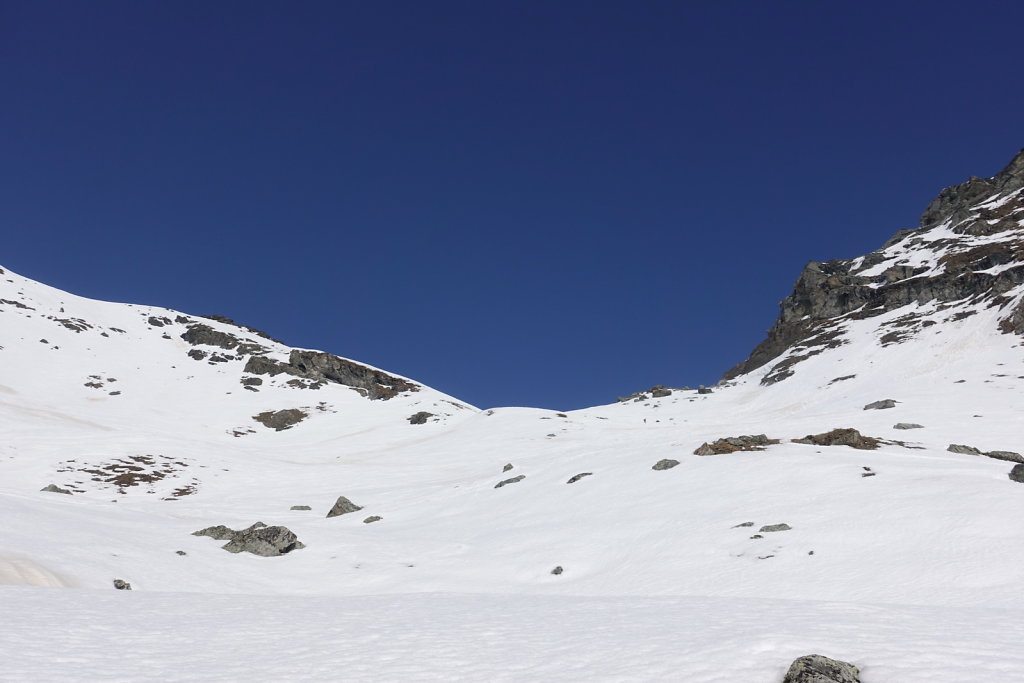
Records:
x=319, y=366
x=158, y=322
x=842, y=437
x=732, y=444
x=576, y=477
x=659, y=391
x=229, y=321
x=279, y=420
x=907, y=425
x=196, y=354
x=964, y=450
x=300, y=507
x=180, y=552
x=372, y=518
x=774, y=527
x=507, y=467
x=258, y=539
x=557, y=570
x=343, y=506
x=841, y=379
x=1017, y=473
x=199, y=333
x=703, y=390
x=820, y=669
x=251, y=381
x=665, y=464
x=1008, y=456
x=420, y=418
x=513, y=480
x=53, y=488
x=881, y=405
x=122, y=585
x=744, y=524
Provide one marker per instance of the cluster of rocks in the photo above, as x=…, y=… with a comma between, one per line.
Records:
x=258, y=539
x=659, y=391
x=732, y=444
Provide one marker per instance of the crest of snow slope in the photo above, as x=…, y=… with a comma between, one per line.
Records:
x=923, y=557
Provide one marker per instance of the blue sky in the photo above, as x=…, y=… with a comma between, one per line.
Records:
x=520, y=203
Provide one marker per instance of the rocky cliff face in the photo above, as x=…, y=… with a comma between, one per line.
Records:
x=968, y=252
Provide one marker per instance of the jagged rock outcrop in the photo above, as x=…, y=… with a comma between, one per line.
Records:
x=343, y=506
x=325, y=367
x=970, y=246
x=732, y=444
x=842, y=437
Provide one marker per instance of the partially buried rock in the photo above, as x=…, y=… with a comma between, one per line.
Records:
x=372, y=518
x=343, y=506
x=732, y=444
x=300, y=507
x=774, y=527
x=881, y=405
x=507, y=467
x=820, y=669
x=420, y=418
x=53, y=488
x=279, y=420
x=576, y=477
x=557, y=570
x=258, y=539
x=841, y=437
x=907, y=425
x=122, y=585
x=1008, y=456
x=962, y=449
x=1017, y=474
x=665, y=464
x=513, y=480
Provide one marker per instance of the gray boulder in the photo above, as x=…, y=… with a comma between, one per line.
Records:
x=576, y=477
x=265, y=541
x=881, y=405
x=513, y=480
x=53, y=488
x=1017, y=474
x=665, y=464
x=907, y=425
x=258, y=539
x=732, y=444
x=703, y=390
x=659, y=391
x=820, y=669
x=343, y=506
x=964, y=450
x=420, y=418
x=557, y=570
x=774, y=527
x=507, y=467
x=841, y=437
x=372, y=518
x=122, y=585
x=1008, y=456
x=300, y=507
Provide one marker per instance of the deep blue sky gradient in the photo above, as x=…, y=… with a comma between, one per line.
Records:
x=520, y=203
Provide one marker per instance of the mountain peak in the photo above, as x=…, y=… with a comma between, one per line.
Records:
x=954, y=201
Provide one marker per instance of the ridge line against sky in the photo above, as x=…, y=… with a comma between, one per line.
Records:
x=519, y=203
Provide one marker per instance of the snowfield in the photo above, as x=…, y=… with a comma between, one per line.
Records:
x=906, y=560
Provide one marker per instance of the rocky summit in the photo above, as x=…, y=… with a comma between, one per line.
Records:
x=853, y=490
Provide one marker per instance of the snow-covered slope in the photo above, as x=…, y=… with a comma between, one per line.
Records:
x=908, y=533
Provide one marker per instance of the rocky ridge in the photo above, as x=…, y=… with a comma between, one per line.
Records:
x=968, y=252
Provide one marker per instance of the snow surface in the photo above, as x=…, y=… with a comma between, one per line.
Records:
x=913, y=573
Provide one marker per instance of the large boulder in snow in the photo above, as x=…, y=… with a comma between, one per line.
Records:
x=343, y=506
x=820, y=669
x=881, y=405
x=1017, y=473
x=258, y=539
x=279, y=420
x=731, y=444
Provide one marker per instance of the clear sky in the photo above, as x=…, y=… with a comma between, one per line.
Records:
x=541, y=203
